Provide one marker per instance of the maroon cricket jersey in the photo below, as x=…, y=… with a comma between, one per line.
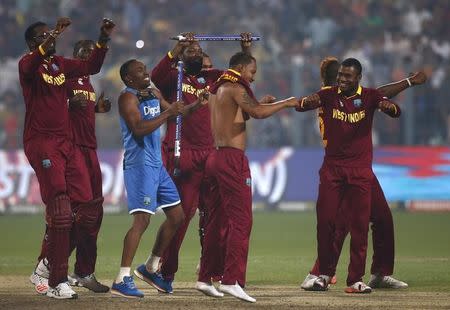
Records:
x=82, y=119
x=44, y=90
x=196, y=128
x=346, y=125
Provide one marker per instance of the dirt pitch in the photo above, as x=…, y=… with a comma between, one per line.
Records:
x=17, y=293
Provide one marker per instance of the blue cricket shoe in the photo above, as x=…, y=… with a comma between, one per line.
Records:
x=126, y=288
x=154, y=279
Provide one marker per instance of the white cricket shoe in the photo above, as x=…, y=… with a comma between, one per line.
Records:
x=208, y=289
x=62, y=291
x=358, y=288
x=40, y=283
x=236, y=291
x=308, y=283
x=378, y=281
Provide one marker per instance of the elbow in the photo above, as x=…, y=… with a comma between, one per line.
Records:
x=259, y=114
x=136, y=132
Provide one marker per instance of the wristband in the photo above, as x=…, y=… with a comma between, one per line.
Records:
x=302, y=103
x=395, y=113
x=409, y=82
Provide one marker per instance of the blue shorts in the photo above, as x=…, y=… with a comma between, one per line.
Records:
x=149, y=188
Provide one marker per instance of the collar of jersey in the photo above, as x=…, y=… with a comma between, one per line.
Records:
x=358, y=91
x=235, y=72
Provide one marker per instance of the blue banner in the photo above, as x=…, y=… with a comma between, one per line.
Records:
x=278, y=175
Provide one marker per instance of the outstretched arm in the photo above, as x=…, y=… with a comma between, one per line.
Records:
x=253, y=107
x=393, y=89
x=308, y=103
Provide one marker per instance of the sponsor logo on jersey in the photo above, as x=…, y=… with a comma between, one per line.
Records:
x=357, y=103
x=151, y=110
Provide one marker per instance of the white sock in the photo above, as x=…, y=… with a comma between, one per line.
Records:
x=152, y=263
x=123, y=272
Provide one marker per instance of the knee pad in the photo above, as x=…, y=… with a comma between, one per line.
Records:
x=89, y=214
x=59, y=213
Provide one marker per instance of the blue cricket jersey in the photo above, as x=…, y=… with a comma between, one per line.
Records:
x=144, y=150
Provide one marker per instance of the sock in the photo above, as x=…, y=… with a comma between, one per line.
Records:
x=123, y=272
x=152, y=263
x=42, y=268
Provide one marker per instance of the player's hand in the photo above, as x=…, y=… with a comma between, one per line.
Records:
x=204, y=97
x=61, y=24
x=107, y=27
x=182, y=44
x=246, y=40
x=177, y=108
x=105, y=31
x=418, y=78
x=386, y=106
x=267, y=99
x=78, y=101
x=103, y=104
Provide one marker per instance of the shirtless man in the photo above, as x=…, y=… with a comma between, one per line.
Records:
x=232, y=103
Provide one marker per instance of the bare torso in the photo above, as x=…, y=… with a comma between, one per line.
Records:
x=227, y=120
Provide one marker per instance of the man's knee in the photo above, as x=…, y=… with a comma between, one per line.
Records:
x=59, y=213
x=89, y=214
x=141, y=221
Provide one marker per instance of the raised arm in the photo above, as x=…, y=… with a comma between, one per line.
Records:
x=75, y=68
x=253, y=107
x=128, y=109
x=29, y=64
x=162, y=74
x=393, y=89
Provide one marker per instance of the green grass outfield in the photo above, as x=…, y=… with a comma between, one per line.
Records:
x=282, y=248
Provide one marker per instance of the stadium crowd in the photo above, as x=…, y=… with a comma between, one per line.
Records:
x=390, y=38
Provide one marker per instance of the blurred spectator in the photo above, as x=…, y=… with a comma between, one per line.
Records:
x=390, y=38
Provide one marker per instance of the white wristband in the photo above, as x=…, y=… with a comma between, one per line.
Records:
x=409, y=82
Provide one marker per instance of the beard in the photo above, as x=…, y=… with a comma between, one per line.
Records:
x=194, y=65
